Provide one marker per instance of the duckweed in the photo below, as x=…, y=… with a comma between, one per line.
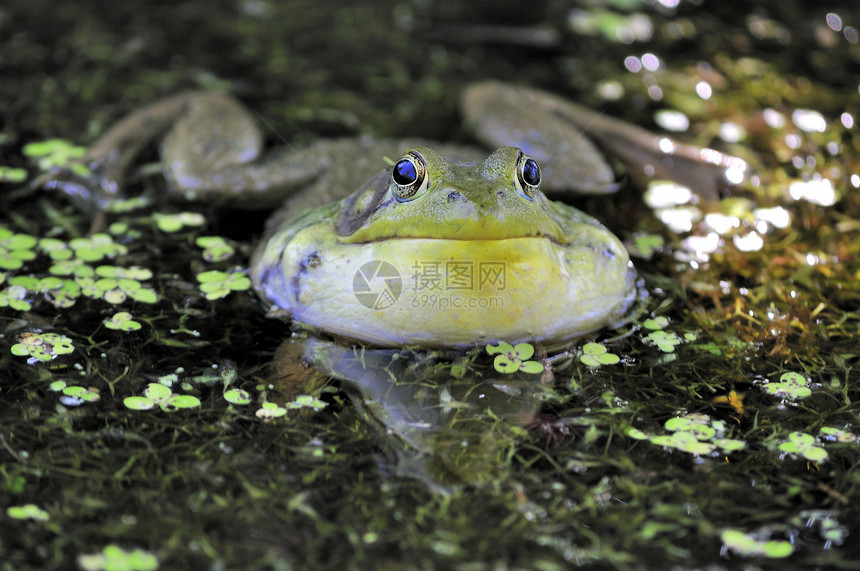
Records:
x=646, y=245
x=57, y=291
x=270, y=411
x=307, y=401
x=132, y=272
x=791, y=385
x=595, y=355
x=56, y=249
x=12, y=174
x=216, y=284
x=513, y=358
x=116, y=290
x=831, y=434
x=57, y=386
x=28, y=511
x=72, y=267
x=55, y=153
x=656, y=323
x=15, y=249
x=115, y=558
x=215, y=248
x=237, y=396
x=747, y=545
x=697, y=434
x=75, y=395
x=122, y=321
x=157, y=394
x=175, y=222
x=15, y=297
x=666, y=341
x=97, y=247
x=803, y=444
x=42, y=346
x=125, y=205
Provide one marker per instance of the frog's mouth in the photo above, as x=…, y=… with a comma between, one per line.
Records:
x=457, y=239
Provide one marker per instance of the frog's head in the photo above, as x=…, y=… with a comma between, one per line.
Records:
x=426, y=196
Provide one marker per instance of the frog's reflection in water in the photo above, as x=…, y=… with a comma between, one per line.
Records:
x=447, y=423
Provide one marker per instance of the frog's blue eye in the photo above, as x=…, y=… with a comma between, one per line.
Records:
x=408, y=176
x=404, y=172
x=528, y=176
x=531, y=173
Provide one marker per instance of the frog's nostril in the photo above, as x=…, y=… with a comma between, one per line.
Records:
x=454, y=196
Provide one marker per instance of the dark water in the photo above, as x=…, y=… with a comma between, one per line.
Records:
x=602, y=466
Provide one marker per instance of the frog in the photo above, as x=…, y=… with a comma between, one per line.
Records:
x=439, y=252
x=449, y=247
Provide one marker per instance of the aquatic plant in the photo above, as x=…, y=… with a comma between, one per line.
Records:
x=748, y=545
x=54, y=153
x=216, y=284
x=15, y=249
x=122, y=321
x=803, y=444
x=513, y=358
x=595, y=355
x=215, y=248
x=175, y=222
x=270, y=411
x=160, y=395
x=791, y=385
x=115, y=558
x=28, y=511
x=42, y=346
x=237, y=396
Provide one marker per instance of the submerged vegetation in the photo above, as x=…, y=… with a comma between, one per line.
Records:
x=150, y=415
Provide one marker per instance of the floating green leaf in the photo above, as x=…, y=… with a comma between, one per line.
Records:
x=117, y=289
x=72, y=267
x=175, y=222
x=57, y=153
x=97, y=247
x=28, y=511
x=58, y=291
x=694, y=434
x=157, y=394
x=76, y=395
x=12, y=174
x=270, y=410
x=215, y=248
x=646, y=245
x=15, y=249
x=802, y=444
x=791, y=385
x=656, y=323
x=747, y=545
x=42, y=346
x=666, y=341
x=837, y=435
x=595, y=355
x=128, y=205
x=15, y=297
x=513, y=358
x=307, y=401
x=237, y=396
x=56, y=249
x=114, y=558
x=216, y=284
x=122, y=321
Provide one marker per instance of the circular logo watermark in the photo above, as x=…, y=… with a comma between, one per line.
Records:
x=377, y=284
